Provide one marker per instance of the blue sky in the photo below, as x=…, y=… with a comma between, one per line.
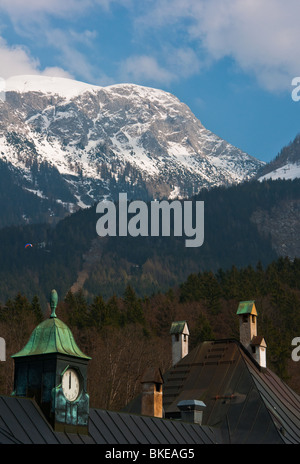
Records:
x=231, y=61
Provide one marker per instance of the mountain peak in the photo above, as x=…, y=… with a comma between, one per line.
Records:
x=96, y=142
x=61, y=86
x=69, y=88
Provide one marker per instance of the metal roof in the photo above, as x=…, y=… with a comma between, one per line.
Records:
x=51, y=336
x=152, y=375
x=247, y=307
x=178, y=327
x=248, y=403
x=258, y=340
x=21, y=421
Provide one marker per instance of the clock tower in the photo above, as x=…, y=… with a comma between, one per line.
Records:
x=53, y=370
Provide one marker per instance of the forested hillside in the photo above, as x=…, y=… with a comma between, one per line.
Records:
x=245, y=224
x=21, y=206
x=125, y=335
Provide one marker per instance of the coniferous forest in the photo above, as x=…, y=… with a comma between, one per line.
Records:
x=119, y=295
x=244, y=225
x=123, y=335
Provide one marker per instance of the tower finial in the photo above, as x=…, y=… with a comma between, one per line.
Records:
x=53, y=302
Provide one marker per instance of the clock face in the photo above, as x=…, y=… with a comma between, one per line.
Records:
x=70, y=384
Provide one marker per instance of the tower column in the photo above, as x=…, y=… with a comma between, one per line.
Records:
x=248, y=332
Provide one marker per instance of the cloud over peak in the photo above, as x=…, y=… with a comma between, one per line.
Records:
x=167, y=40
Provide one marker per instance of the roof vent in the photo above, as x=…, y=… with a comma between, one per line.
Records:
x=191, y=411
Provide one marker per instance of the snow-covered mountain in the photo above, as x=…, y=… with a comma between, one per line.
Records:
x=78, y=143
x=286, y=165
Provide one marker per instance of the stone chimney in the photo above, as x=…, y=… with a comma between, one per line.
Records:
x=180, y=343
x=152, y=393
x=256, y=345
x=191, y=411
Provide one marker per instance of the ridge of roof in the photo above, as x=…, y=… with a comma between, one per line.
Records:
x=229, y=380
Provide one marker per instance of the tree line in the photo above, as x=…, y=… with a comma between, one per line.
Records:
x=123, y=335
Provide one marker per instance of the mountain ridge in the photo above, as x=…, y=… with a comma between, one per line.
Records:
x=286, y=165
x=88, y=143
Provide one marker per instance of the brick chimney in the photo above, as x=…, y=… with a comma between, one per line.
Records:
x=152, y=393
x=180, y=343
x=256, y=345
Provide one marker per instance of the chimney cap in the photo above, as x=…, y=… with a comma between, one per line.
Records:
x=258, y=340
x=179, y=327
x=191, y=405
x=152, y=375
x=247, y=307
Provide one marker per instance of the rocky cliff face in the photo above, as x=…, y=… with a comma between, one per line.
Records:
x=79, y=143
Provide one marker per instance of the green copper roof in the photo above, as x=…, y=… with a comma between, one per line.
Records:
x=177, y=327
x=247, y=307
x=51, y=336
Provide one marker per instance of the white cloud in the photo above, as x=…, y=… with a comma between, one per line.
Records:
x=20, y=10
x=183, y=61
x=55, y=71
x=16, y=60
x=262, y=37
x=35, y=21
x=141, y=68
x=177, y=63
x=75, y=61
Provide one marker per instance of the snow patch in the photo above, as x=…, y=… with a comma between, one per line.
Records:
x=175, y=193
x=288, y=171
x=66, y=88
